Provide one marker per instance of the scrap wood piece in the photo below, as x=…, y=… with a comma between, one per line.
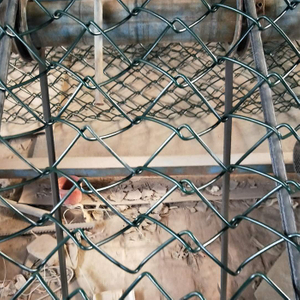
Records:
x=26, y=209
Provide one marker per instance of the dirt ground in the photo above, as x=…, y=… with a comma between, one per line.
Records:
x=178, y=271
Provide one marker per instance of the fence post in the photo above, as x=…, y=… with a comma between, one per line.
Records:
x=284, y=199
x=53, y=176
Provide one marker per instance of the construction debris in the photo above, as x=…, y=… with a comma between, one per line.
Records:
x=19, y=281
x=150, y=227
x=214, y=190
x=113, y=295
x=64, y=185
x=8, y=289
x=26, y=209
x=98, y=214
x=165, y=210
x=280, y=274
x=41, y=247
x=143, y=209
x=201, y=206
x=147, y=194
x=122, y=208
x=117, y=196
x=133, y=195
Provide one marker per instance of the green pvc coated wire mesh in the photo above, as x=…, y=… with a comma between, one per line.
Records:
x=150, y=83
x=138, y=88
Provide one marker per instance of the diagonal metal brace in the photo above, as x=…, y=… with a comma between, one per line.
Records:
x=284, y=199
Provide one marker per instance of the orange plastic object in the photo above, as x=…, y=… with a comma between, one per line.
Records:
x=64, y=186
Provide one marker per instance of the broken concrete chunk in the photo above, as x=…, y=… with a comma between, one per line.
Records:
x=42, y=246
x=20, y=281
x=159, y=191
x=4, y=182
x=134, y=195
x=117, y=196
x=165, y=210
x=122, y=208
x=127, y=187
x=214, y=190
x=147, y=194
x=132, y=212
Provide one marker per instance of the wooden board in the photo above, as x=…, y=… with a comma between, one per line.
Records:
x=243, y=187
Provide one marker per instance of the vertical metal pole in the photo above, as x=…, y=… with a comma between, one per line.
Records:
x=98, y=40
x=226, y=177
x=53, y=177
x=284, y=199
x=8, y=12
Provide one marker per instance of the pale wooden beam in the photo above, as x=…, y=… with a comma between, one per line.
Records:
x=98, y=18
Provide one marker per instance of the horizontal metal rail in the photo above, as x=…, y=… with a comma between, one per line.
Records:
x=107, y=166
x=140, y=25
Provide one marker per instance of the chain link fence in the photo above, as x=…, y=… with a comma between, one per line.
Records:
x=152, y=83
x=135, y=91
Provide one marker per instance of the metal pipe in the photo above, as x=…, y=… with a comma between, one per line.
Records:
x=53, y=177
x=284, y=199
x=8, y=12
x=226, y=177
x=144, y=27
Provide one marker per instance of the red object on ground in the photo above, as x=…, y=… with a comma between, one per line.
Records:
x=64, y=186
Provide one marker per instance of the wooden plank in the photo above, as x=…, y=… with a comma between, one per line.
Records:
x=246, y=187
